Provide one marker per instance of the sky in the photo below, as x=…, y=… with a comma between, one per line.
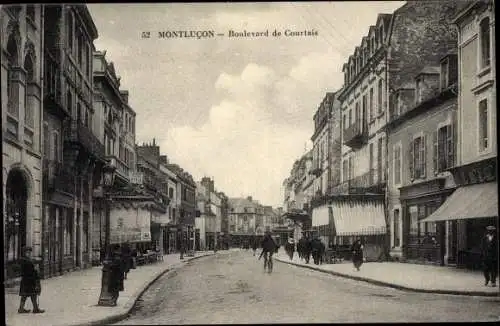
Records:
x=237, y=109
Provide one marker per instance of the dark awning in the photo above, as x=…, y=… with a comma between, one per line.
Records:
x=474, y=201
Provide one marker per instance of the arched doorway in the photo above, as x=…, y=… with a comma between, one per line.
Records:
x=15, y=228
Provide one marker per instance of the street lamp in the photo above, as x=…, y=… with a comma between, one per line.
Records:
x=106, y=297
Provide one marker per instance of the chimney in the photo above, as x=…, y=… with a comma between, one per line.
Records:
x=249, y=198
x=163, y=159
x=124, y=95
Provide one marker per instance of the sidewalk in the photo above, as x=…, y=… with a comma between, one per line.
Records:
x=71, y=299
x=403, y=276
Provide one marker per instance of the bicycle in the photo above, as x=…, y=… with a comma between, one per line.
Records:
x=268, y=262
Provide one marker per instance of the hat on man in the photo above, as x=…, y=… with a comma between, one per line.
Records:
x=491, y=228
x=26, y=249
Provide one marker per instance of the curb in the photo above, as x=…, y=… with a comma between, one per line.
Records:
x=395, y=286
x=132, y=301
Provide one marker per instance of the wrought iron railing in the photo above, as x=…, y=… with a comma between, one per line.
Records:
x=77, y=132
x=356, y=132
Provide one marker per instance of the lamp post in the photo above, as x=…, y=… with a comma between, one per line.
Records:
x=106, y=297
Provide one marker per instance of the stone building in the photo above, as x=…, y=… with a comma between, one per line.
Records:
x=474, y=204
x=422, y=146
x=390, y=56
x=21, y=89
x=244, y=216
x=208, y=219
x=326, y=164
x=170, y=219
x=74, y=155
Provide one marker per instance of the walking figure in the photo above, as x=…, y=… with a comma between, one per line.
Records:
x=30, y=283
x=269, y=247
x=357, y=253
x=290, y=248
x=489, y=256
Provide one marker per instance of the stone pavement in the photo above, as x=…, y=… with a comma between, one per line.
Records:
x=71, y=299
x=405, y=276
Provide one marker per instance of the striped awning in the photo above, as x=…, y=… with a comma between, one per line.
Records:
x=359, y=217
x=474, y=201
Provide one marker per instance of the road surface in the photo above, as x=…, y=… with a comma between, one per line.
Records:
x=233, y=288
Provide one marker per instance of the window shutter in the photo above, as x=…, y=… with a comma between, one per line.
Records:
x=424, y=155
x=435, y=158
x=452, y=150
x=410, y=159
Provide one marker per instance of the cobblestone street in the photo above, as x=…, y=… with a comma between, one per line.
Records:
x=233, y=288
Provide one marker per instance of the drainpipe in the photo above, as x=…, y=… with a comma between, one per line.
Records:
x=386, y=209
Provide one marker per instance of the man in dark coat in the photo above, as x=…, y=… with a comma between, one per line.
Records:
x=317, y=249
x=255, y=244
x=290, y=248
x=489, y=256
x=30, y=283
x=301, y=247
x=117, y=273
x=357, y=253
x=307, y=250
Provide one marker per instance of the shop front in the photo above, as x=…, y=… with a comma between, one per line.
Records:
x=358, y=217
x=425, y=242
x=467, y=212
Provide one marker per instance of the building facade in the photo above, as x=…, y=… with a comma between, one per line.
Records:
x=169, y=242
x=75, y=156
x=422, y=133
x=22, y=146
x=389, y=57
x=244, y=220
x=474, y=204
x=208, y=219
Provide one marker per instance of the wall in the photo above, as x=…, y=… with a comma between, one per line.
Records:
x=471, y=76
x=17, y=153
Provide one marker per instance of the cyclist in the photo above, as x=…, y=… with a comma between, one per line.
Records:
x=269, y=247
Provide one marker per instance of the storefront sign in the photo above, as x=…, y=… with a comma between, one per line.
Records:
x=477, y=172
x=136, y=177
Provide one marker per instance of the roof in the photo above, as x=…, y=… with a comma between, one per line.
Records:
x=241, y=202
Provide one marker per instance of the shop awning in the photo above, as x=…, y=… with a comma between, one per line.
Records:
x=474, y=201
x=358, y=217
x=321, y=215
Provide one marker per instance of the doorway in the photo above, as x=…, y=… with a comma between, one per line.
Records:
x=15, y=227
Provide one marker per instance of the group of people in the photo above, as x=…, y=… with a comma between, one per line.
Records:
x=307, y=247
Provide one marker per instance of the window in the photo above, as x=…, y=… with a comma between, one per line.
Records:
x=444, y=75
x=398, y=104
x=397, y=165
x=344, y=126
x=414, y=225
x=30, y=13
x=29, y=118
x=444, y=148
x=484, y=30
x=370, y=106
x=356, y=114
x=370, y=164
x=483, y=125
x=417, y=158
x=380, y=95
x=362, y=116
x=12, y=88
x=350, y=117
x=170, y=193
x=396, y=223
x=55, y=147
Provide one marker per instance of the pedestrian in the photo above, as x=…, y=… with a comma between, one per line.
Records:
x=316, y=250
x=301, y=247
x=307, y=249
x=126, y=254
x=489, y=256
x=357, y=253
x=116, y=279
x=254, y=245
x=30, y=283
x=290, y=248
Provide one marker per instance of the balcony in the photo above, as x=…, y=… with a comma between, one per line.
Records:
x=65, y=180
x=356, y=136
x=316, y=171
x=122, y=170
x=363, y=184
x=78, y=133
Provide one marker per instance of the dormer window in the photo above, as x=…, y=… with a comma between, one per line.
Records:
x=444, y=77
x=484, y=30
x=399, y=104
